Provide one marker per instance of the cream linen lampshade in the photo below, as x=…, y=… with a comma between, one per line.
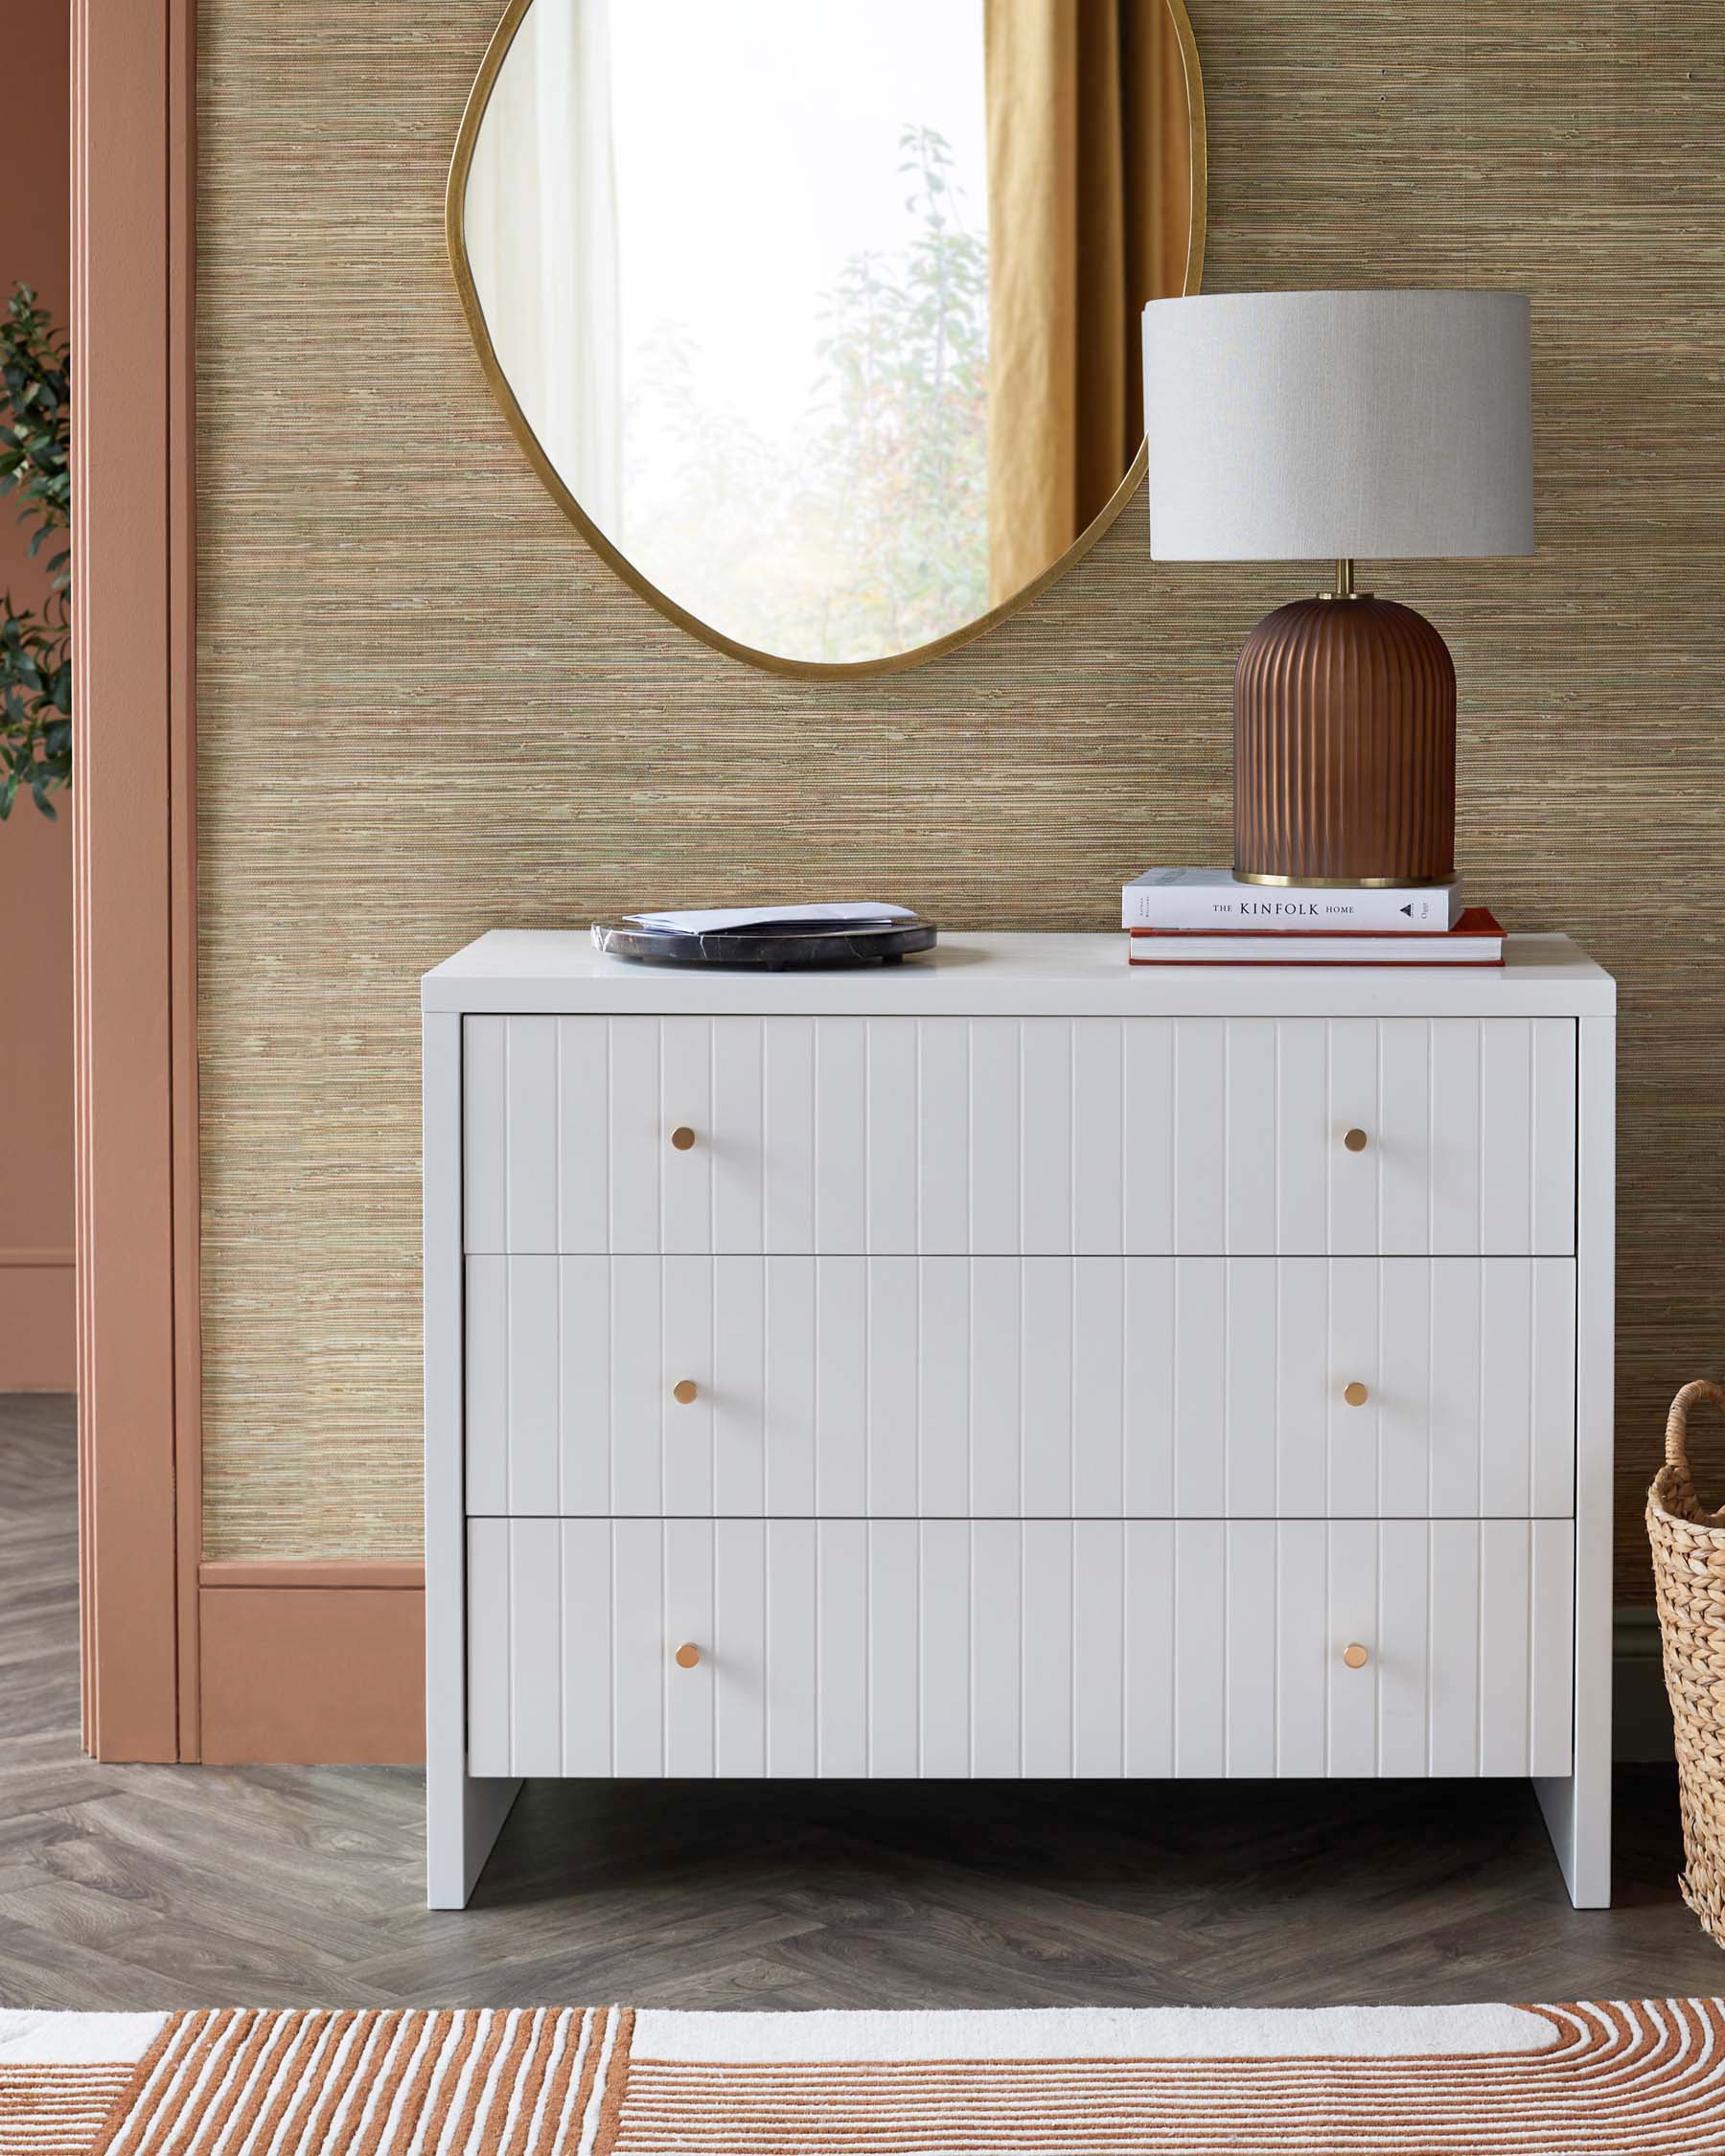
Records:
x=1305, y=425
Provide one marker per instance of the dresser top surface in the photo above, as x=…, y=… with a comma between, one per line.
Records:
x=1019, y=975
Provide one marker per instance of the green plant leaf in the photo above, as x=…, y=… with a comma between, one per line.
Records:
x=35, y=665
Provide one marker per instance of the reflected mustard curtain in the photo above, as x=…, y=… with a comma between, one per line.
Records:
x=1089, y=206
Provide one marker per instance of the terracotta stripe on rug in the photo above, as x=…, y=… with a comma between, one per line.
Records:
x=1643, y=2078
x=58, y=2110
x=476, y=2083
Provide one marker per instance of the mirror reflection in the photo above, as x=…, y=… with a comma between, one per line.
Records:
x=825, y=319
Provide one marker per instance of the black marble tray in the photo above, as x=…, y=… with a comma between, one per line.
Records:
x=771, y=950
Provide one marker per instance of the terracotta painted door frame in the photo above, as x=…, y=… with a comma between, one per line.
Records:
x=133, y=873
x=181, y=1660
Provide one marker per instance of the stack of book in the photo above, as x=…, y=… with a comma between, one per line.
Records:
x=1205, y=917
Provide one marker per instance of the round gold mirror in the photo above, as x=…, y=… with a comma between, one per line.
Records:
x=821, y=323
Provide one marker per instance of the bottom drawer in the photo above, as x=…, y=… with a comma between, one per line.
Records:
x=1020, y=1647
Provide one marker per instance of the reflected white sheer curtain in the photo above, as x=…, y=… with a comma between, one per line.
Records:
x=540, y=221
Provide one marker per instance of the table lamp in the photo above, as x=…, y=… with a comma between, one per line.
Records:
x=1337, y=425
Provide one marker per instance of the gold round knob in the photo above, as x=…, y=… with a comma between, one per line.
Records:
x=689, y=1654
x=683, y=1137
x=1356, y=1141
x=1355, y=1656
x=1354, y=1394
x=684, y=1390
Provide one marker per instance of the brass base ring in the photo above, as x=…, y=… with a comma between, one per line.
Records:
x=1349, y=883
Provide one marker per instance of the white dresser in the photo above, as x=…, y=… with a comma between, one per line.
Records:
x=1012, y=1364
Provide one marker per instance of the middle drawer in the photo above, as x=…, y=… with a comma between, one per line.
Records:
x=1099, y=1387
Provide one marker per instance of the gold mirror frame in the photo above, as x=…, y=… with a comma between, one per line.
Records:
x=816, y=670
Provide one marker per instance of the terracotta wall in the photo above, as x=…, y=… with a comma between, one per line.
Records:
x=427, y=710
x=35, y=855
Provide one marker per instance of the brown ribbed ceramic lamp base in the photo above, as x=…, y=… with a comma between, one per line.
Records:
x=1345, y=747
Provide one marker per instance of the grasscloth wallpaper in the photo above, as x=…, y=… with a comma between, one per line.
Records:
x=425, y=709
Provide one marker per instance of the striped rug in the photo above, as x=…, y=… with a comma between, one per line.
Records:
x=1632, y=2080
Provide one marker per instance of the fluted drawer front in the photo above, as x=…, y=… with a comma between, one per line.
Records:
x=999, y=1136
x=955, y=1648
x=1006, y=1386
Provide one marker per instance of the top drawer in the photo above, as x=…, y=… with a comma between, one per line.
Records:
x=1035, y=1136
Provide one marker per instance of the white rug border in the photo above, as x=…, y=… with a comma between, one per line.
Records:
x=29, y=2037
x=663, y=2035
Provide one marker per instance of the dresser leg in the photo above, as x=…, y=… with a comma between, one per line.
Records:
x=1577, y=1817
x=1577, y=1806
x=464, y=1817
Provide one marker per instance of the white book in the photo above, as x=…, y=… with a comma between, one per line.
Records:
x=1213, y=898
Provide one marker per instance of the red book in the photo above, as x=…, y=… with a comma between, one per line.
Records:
x=1477, y=939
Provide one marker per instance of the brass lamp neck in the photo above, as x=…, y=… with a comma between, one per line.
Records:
x=1344, y=587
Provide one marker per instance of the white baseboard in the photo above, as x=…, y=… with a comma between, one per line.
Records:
x=1640, y=1715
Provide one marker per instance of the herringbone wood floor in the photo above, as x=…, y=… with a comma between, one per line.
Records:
x=168, y=1886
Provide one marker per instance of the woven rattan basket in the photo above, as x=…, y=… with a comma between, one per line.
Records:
x=1689, y=1576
